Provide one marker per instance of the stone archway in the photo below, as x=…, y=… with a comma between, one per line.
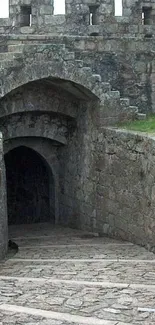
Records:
x=30, y=187
x=58, y=121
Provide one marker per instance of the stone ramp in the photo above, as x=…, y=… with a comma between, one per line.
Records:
x=124, y=271
x=62, y=276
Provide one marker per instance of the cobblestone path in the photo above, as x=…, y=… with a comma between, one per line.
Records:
x=60, y=276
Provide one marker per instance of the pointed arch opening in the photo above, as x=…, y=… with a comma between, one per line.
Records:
x=30, y=187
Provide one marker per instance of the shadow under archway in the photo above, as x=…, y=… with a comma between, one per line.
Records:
x=30, y=187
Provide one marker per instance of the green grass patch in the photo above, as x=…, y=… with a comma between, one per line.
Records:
x=147, y=125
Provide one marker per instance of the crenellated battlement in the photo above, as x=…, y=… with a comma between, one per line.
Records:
x=85, y=17
x=120, y=49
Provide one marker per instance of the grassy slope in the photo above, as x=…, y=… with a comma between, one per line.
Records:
x=147, y=125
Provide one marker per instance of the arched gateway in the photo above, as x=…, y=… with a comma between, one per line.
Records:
x=48, y=127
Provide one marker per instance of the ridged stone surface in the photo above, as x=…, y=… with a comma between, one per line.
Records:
x=64, y=276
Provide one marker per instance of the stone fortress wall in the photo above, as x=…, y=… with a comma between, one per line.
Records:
x=81, y=18
x=120, y=49
x=95, y=17
x=65, y=81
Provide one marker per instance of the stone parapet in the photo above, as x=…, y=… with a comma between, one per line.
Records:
x=125, y=186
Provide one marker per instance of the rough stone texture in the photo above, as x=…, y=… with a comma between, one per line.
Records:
x=121, y=50
x=41, y=96
x=39, y=12
x=133, y=10
x=63, y=79
x=127, y=63
x=77, y=173
x=40, y=125
x=65, y=277
x=125, y=186
x=79, y=14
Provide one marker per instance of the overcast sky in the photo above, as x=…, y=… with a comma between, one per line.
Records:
x=59, y=7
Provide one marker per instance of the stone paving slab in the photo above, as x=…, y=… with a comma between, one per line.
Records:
x=137, y=272
x=115, y=304
x=60, y=316
x=27, y=317
x=14, y=318
x=8, y=317
x=63, y=240
x=66, y=240
x=97, y=252
x=64, y=276
x=70, y=243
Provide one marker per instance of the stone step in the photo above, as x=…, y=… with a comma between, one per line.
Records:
x=134, y=109
x=87, y=71
x=53, y=317
x=124, y=102
x=141, y=116
x=97, y=78
x=115, y=94
x=8, y=59
x=106, y=87
x=79, y=63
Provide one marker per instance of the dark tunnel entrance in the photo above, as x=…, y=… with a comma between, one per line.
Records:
x=30, y=187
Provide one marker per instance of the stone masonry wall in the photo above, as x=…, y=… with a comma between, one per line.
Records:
x=134, y=8
x=77, y=19
x=124, y=53
x=40, y=12
x=77, y=172
x=104, y=177
x=126, y=186
x=40, y=112
x=127, y=65
x=39, y=96
x=41, y=125
x=85, y=13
